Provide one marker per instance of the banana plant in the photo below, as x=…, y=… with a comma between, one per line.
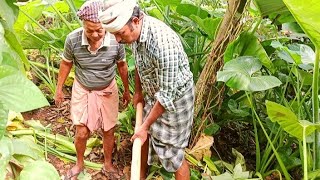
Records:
x=308, y=17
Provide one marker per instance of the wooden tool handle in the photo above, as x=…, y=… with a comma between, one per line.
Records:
x=136, y=148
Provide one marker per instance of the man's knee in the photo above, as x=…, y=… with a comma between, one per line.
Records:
x=82, y=132
x=183, y=172
x=110, y=132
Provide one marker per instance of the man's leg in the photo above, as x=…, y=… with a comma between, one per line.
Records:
x=108, y=144
x=144, y=159
x=82, y=135
x=183, y=173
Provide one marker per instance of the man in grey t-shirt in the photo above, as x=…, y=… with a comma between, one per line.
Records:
x=94, y=104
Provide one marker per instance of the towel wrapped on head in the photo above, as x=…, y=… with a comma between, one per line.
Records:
x=116, y=14
x=90, y=9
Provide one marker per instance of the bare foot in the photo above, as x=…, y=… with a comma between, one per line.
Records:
x=111, y=172
x=73, y=173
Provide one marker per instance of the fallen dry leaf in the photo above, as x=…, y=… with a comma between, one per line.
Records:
x=202, y=147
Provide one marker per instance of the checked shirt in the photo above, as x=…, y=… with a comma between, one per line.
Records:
x=165, y=76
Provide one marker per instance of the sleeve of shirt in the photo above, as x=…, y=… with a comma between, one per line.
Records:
x=67, y=54
x=121, y=53
x=168, y=59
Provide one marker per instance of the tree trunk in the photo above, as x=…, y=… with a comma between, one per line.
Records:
x=205, y=92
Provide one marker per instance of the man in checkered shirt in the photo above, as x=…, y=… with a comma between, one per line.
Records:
x=163, y=82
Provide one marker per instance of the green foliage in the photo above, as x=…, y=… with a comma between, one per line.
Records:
x=17, y=93
x=298, y=54
x=6, y=151
x=20, y=94
x=236, y=171
x=8, y=12
x=308, y=16
x=237, y=110
x=271, y=7
x=290, y=159
x=239, y=74
x=208, y=25
x=248, y=44
x=287, y=119
x=3, y=119
x=7, y=34
x=44, y=170
x=168, y=3
x=26, y=146
x=125, y=119
x=212, y=129
x=190, y=9
x=194, y=174
x=290, y=123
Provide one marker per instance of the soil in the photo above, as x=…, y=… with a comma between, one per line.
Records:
x=58, y=119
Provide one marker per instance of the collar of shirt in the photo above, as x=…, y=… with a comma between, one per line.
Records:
x=106, y=40
x=144, y=29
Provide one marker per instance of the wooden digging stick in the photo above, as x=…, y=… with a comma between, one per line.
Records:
x=136, y=149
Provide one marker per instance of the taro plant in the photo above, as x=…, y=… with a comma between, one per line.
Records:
x=21, y=157
x=300, y=129
x=16, y=91
x=307, y=16
x=243, y=73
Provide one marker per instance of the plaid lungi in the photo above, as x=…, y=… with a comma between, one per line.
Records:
x=170, y=133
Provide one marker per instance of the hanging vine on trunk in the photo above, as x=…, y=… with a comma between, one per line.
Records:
x=206, y=92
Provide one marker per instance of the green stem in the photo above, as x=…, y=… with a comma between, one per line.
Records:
x=52, y=36
x=54, y=138
x=305, y=156
x=165, y=16
x=43, y=41
x=73, y=10
x=192, y=160
x=255, y=26
x=62, y=18
x=72, y=158
x=43, y=66
x=267, y=158
x=282, y=166
x=315, y=108
x=256, y=138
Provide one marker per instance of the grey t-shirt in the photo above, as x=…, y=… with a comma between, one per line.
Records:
x=93, y=70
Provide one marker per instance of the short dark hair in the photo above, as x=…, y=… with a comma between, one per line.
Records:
x=136, y=13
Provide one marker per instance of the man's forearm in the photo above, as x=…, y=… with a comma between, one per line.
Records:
x=123, y=72
x=156, y=111
x=64, y=71
x=137, y=84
